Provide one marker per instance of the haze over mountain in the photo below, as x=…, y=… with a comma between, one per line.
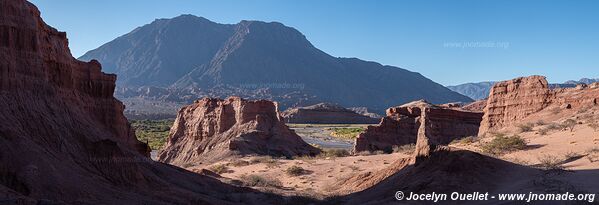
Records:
x=188, y=57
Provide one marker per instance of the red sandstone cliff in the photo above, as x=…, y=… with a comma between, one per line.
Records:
x=211, y=129
x=63, y=137
x=511, y=102
x=401, y=125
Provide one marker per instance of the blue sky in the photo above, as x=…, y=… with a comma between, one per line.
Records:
x=450, y=42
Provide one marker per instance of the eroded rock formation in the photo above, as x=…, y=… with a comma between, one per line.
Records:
x=211, y=129
x=63, y=137
x=325, y=113
x=515, y=99
x=401, y=126
x=511, y=102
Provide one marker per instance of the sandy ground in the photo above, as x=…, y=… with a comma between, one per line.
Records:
x=574, y=150
x=319, y=175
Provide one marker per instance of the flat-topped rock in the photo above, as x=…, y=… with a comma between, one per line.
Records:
x=402, y=124
x=211, y=129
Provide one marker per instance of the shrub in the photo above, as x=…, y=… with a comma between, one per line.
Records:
x=550, y=162
x=543, y=131
x=239, y=163
x=570, y=124
x=334, y=153
x=260, y=181
x=406, y=149
x=540, y=123
x=269, y=161
x=554, y=126
x=525, y=127
x=465, y=140
x=295, y=171
x=219, y=168
x=502, y=144
x=379, y=152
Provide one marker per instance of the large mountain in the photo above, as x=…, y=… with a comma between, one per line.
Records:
x=476, y=91
x=188, y=57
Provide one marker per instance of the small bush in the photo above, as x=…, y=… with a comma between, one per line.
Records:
x=260, y=181
x=465, y=140
x=379, y=152
x=239, y=163
x=269, y=161
x=570, y=124
x=550, y=162
x=219, y=168
x=525, y=127
x=543, y=131
x=501, y=144
x=554, y=126
x=334, y=153
x=295, y=171
x=406, y=149
x=540, y=123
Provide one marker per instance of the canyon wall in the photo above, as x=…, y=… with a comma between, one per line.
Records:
x=63, y=136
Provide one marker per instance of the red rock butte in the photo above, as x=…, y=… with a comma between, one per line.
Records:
x=514, y=100
x=211, y=129
x=401, y=125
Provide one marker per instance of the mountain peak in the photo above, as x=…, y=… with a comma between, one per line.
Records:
x=256, y=59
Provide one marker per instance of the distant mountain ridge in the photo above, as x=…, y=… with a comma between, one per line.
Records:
x=189, y=57
x=478, y=91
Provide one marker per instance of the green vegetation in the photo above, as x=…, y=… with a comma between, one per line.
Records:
x=347, y=132
x=295, y=171
x=154, y=132
x=502, y=144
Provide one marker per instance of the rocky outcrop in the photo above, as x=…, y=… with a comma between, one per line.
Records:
x=476, y=106
x=512, y=101
x=325, y=113
x=211, y=129
x=63, y=137
x=401, y=126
